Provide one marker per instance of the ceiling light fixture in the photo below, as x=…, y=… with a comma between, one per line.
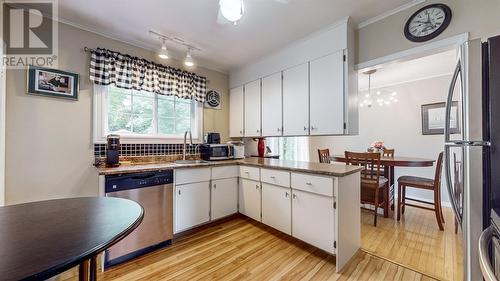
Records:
x=163, y=51
x=188, y=61
x=232, y=10
x=382, y=97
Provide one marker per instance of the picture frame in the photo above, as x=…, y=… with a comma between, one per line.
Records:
x=52, y=83
x=433, y=118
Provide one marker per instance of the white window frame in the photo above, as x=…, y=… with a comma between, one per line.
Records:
x=100, y=123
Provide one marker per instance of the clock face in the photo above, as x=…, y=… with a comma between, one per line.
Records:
x=428, y=22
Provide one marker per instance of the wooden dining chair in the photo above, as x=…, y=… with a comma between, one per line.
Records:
x=388, y=152
x=426, y=184
x=372, y=181
x=324, y=155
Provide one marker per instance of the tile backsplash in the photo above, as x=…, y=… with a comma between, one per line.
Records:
x=147, y=149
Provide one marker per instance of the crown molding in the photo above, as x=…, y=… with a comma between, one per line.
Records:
x=390, y=13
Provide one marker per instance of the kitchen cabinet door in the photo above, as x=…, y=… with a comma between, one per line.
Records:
x=277, y=207
x=272, y=106
x=236, y=112
x=296, y=101
x=327, y=95
x=313, y=219
x=249, y=199
x=252, y=109
x=192, y=205
x=224, y=197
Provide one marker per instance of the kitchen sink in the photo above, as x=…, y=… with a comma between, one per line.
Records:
x=188, y=162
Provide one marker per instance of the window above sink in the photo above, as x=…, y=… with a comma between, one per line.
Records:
x=144, y=117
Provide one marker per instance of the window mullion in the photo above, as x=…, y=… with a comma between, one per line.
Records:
x=155, y=114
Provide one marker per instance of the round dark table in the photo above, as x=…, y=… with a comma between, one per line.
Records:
x=42, y=239
x=389, y=163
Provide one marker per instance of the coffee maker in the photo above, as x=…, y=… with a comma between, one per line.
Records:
x=113, y=151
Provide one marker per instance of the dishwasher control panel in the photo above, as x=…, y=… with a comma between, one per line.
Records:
x=120, y=182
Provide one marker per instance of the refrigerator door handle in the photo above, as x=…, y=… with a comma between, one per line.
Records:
x=449, y=102
x=484, y=260
x=470, y=143
x=447, y=173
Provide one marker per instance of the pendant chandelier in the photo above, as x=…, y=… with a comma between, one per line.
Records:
x=380, y=97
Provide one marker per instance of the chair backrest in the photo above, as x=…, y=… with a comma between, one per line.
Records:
x=369, y=161
x=437, y=175
x=324, y=155
x=388, y=152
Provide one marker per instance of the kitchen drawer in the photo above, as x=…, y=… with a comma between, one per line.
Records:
x=224, y=172
x=183, y=176
x=315, y=184
x=250, y=173
x=275, y=177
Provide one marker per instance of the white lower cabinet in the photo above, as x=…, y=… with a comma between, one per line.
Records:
x=249, y=197
x=224, y=197
x=313, y=219
x=277, y=207
x=192, y=205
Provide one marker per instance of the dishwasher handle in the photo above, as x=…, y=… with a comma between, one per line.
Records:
x=122, y=182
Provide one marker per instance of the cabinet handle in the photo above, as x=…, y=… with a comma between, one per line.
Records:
x=179, y=192
x=286, y=194
x=258, y=131
x=313, y=128
x=215, y=186
x=257, y=186
x=241, y=132
x=308, y=183
x=273, y=177
x=279, y=129
x=294, y=196
x=305, y=128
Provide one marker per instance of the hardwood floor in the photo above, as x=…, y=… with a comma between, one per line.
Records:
x=416, y=242
x=241, y=249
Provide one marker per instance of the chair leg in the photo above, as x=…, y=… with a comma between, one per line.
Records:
x=376, y=208
x=399, y=202
x=403, y=199
x=440, y=206
x=437, y=206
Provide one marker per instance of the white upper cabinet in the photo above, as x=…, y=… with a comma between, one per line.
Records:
x=272, y=106
x=326, y=76
x=296, y=101
x=236, y=112
x=252, y=109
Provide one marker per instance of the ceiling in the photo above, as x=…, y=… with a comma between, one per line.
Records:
x=266, y=26
x=434, y=65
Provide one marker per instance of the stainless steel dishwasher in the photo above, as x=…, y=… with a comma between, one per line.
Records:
x=153, y=190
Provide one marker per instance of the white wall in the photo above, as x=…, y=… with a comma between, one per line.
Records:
x=399, y=126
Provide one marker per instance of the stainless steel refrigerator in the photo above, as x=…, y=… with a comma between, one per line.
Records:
x=489, y=243
x=464, y=148
x=472, y=166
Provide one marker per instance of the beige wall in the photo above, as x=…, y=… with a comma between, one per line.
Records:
x=478, y=17
x=49, y=151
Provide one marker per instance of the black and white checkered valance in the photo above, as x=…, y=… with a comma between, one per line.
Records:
x=109, y=67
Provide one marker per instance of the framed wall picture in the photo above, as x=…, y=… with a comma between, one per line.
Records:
x=53, y=83
x=433, y=118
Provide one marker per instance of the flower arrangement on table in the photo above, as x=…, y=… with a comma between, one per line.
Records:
x=377, y=146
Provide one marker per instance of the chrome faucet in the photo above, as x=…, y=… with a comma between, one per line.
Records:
x=185, y=139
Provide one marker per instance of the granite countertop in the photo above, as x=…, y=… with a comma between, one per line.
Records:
x=336, y=169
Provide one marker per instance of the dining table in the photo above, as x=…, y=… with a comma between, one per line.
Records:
x=41, y=239
x=389, y=163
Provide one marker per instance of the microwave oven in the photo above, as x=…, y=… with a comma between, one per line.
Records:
x=213, y=152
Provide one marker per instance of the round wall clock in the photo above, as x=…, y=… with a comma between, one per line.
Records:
x=428, y=22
